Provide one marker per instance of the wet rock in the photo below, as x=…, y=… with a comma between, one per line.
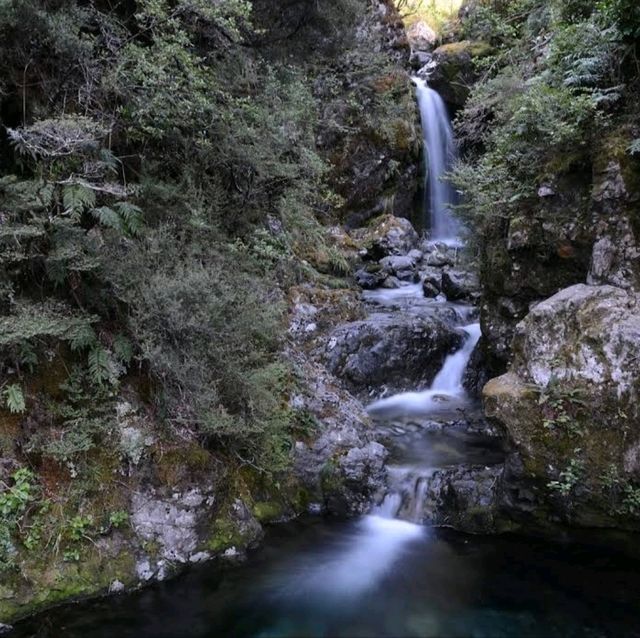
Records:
x=5, y=629
x=439, y=257
x=365, y=466
x=396, y=351
x=369, y=280
x=401, y=266
x=460, y=284
x=466, y=498
x=429, y=289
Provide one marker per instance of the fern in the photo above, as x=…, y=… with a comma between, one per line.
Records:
x=81, y=335
x=99, y=365
x=107, y=217
x=122, y=349
x=27, y=356
x=14, y=398
x=76, y=198
x=131, y=217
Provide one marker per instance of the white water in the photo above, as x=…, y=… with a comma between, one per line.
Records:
x=355, y=568
x=440, y=152
x=445, y=392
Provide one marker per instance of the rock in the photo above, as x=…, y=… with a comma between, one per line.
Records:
x=429, y=289
x=455, y=70
x=464, y=497
x=5, y=629
x=387, y=235
x=172, y=522
x=419, y=59
x=116, y=587
x=369, y=280
x=460, y=284
x=581, y=350
x=421, y=36
x=416, y=255
x=402, y=266
x=365, y=465
x=546, y=191
x=397, y=351
x=439, y=258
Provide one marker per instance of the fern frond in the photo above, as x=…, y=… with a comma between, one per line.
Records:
x=99, y=365
x=80, y=336
x=131, y=216
x=76, y=198
x=123, y=349
x=634, y=147
x=107, y=217
x=14, y=398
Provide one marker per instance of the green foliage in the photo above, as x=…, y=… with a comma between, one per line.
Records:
x=118, y=519
x=15, y=501
x=562, y=407
x=569, y=478
x=536, y=117
x=14, y=398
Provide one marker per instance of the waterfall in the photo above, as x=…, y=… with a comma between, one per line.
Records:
x=440, y=152
x=445, y=392
x=449, y=379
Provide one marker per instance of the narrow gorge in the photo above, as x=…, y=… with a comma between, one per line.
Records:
x=320, y=320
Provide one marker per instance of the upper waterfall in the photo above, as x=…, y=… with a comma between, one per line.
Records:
x=440, y=152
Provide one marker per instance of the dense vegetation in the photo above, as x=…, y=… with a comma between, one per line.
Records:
x=561, y=76
x=167, y=172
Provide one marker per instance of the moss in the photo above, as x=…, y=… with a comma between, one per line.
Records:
x=268, y=511
x=41, y=583
x=226, y=534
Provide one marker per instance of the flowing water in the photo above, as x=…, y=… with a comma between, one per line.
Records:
x=440, y=153
x=386, y=575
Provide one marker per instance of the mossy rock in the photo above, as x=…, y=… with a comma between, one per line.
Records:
x=455, y=70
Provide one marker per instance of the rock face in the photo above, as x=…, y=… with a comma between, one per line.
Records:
x=453, y=69
x=391, y=351
x=582, y=228
x=569, y=405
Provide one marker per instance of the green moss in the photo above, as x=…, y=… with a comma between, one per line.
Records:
x=226, y=534
x=268, y=511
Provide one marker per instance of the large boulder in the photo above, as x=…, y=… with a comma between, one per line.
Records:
x=390, y=351
x=386, y=235
x=569, y=405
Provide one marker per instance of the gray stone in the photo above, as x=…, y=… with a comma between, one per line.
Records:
x=116, y=587
x=397, y=351
x=460, y=284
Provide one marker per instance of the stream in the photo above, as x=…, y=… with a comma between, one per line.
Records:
x=389, y=573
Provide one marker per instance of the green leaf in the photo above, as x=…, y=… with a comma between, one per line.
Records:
x=107, y=217
x=81, y=335
x=99, y=365
x=131, y=216
x=76, y=198
x=14, y=398
x=123, y=349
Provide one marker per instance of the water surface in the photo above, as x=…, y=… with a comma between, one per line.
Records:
x=376, y=578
